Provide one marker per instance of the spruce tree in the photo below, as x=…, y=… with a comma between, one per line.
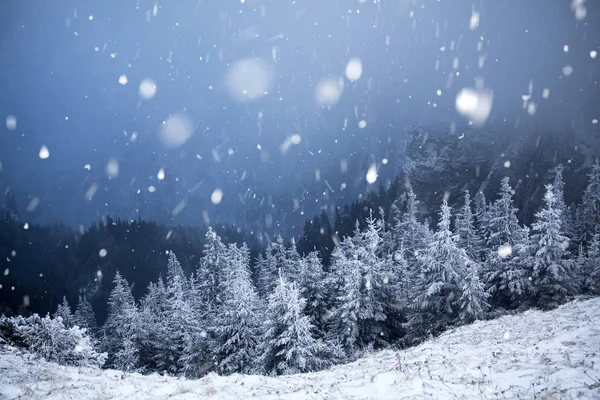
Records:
x=311, y=281
x=473, y=299
x=464, y=228
x=444, y=266
x=211, y=268
x=507, y=266
x=84, y=316
x=589, y=212
x=64, y=311
x=590, y=267
x=289, y=346
x=121, y=331
x=552, y=276
x=237, y=326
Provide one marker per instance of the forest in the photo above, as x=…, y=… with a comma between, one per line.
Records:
x=379, y=277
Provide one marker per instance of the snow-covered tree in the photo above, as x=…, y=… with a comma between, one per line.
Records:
x=122, y=327
x=552, y=276
x=237, y=325
x=409, y=233
x=559, y=194
x=84, y=316
x=590, y=267
x=507, y=266
x=268, y=267
x=347, y=322
x=482, y=223
x=464, y=228
x=52, y=340
x=64, y=311
x=311, y=281
x=588, y=220
x=443, y=268
x=153, y=327
x=289, y=346
x=211, y=268
x=375, y=296
x=473, y=299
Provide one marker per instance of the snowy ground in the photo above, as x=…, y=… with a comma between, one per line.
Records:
x=551, y=355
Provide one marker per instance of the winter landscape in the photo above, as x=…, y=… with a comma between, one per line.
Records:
x=362, y=199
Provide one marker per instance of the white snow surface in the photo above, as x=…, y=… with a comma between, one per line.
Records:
x=542, y=355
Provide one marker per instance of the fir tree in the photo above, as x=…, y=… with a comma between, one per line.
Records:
x=237, y=326
x=211, y=268
x=121, y=330
x=507, y=268
x=473, y=299
x=444, y=266
x=311, y=280
x=552, y=276
x=590, y=267
x=481, y=215
x=409, y=233
x=84, y=316
x=589, y=212
x=464, y=228
x=64, y=311
x=289, y=346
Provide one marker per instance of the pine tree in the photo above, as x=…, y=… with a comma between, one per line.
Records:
x=559, y=194
x=291, y=264
x=481, y=217
x=444, y=266
x=507, y=267
x=347, y=322
x=375, y=295
x=84, y=316
x=237, y=326
x=121, y=330
x=311, y=280
x=289, y=346
x=409, y=233
x=590, y=267
x=153, y=316
x=552, y=276
x=273, y=261
x=211, y=269
x=473, y=299
x=464, y=228
x=64, y=311
x=589, y=212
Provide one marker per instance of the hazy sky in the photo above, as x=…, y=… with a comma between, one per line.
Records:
x=256, y=99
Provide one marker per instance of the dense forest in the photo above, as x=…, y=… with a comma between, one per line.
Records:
x=404, y=263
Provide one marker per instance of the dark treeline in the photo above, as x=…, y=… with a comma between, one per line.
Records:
x=41, y=264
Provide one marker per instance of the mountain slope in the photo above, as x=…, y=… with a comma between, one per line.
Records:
x=546, y=355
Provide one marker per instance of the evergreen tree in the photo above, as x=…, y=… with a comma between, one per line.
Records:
x=154, y=325
x=552, y=276
x=589, y=212
x=289, y=346
x=375, y=295
x=64, y=311
x=444, y=266
x=211, y=269
x=464, y=228
x=590, y=267
x=121, y=330
x=84, y=316
x=237, y=326
x=473, y=299
x=481, y=217
x=311, y=280
x=507, y=268
x=274, y=260
x=409, y=233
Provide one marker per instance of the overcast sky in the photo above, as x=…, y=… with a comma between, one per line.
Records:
x=262, y=112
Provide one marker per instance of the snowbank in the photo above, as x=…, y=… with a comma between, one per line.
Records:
x=551, y=355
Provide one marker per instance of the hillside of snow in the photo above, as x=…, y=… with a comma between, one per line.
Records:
x=545, y=355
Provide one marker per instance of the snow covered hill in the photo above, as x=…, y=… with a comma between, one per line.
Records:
x=545, y=355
